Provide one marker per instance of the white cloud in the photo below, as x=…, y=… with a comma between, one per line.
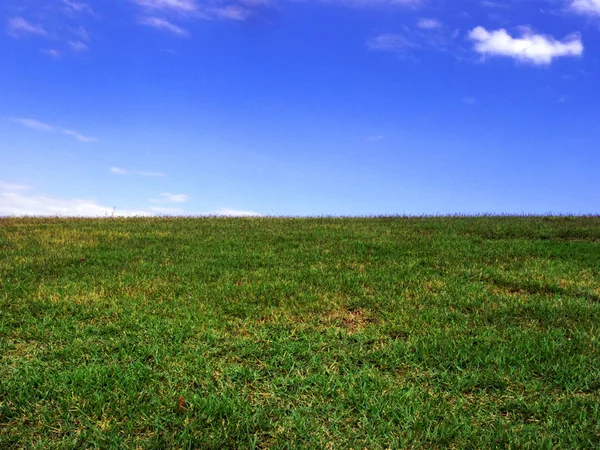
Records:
x=53, y=53
x=181, y=6
x=16, y=200
x=425, y=35
x=390, y=42
x=119, y=171
x=12, y=187
x=375, y=138
x=164, y=25
x=429, y=24
x=21, y=200
x=17, y=27
x=533, y=48
x=77, y=46
x=590, y=7
x=77, y=7
x=33, y=124
x=81, y=33
x=80, y=137
x=231, y=12
x=226, y=212
x=171, y=198
x=41, y=126
x=165, y=211
x=367, y=3
x=469, y=101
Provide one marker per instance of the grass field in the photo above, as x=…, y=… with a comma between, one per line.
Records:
x=300, y=333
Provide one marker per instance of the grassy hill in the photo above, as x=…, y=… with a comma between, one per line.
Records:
x=300, y=333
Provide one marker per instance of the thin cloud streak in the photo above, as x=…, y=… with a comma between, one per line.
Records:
x=80, y=137
x=41, y=126
x=164, y=25
x=170, y=198
x=120, y=171
x=33, y=124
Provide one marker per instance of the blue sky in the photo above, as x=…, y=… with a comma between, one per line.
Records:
x=299, y=107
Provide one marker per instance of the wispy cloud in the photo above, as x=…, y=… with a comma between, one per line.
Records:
x=41, y=126
x=33, y=124
x=80, y=137
x=375, y=3
x=589, y=7
x=77, y=7
x=77, y=46
x=81, y=33
x=119, y=171
x=530, y=47
x=469, y=101
x=375, y=138
x=164, y=25
x=180, y=6
x=429, y=24
x=427, y=34
x=164, y=14
x=390, y=42
x=53, y=53
x=231, y=12
x=170, y=198
x=18, y=27
x=13, y=187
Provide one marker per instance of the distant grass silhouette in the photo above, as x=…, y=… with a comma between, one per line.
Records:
x=391, y=332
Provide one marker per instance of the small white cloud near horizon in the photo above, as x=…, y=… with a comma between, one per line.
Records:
x=166, y=211
x=588, y=7
x=18, y=27
x=15, y=200
x=170, y=198
x=20, y=200
x=227, y=212
x=13, y=187
x=120, y=171
x=533, y=48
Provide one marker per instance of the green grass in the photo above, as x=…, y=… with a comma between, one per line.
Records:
x=300, y=333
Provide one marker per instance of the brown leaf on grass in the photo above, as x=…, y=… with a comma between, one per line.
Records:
x=181, y=405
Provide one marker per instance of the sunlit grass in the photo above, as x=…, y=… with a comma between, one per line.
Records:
x=300, y=333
